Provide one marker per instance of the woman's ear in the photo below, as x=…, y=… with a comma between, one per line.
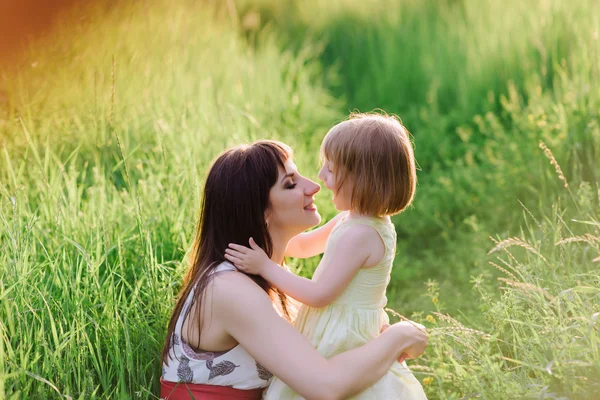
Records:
x=267, y=216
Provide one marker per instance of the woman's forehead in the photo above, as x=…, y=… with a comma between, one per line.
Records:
x=290, y=167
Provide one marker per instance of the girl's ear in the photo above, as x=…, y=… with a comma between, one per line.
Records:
x=267, y=216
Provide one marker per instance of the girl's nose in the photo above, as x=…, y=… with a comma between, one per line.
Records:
x=321, y=174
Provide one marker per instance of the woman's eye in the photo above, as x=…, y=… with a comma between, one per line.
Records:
x=291, y=186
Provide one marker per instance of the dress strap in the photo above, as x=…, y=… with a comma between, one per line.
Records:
x=384, y=228
x=224, y=266
x=379, y=224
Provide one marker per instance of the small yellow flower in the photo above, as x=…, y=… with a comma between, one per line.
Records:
x=430, y=318
x=434, y=300
x=427, y=381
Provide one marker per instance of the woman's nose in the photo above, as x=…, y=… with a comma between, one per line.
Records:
x=312, y=188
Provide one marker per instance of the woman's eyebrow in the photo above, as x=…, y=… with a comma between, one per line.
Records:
x=290, y=175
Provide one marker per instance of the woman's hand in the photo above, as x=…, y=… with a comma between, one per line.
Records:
x=252, y=260
x=403, y=355
x=413, y=336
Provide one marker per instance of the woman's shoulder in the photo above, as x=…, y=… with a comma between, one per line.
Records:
x=237, y=300
x=228, y=283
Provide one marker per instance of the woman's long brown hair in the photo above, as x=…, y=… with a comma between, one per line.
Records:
x=235, y=198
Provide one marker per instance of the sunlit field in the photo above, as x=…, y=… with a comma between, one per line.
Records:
x=109, y=123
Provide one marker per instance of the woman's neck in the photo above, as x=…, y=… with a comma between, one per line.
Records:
x=280, y=242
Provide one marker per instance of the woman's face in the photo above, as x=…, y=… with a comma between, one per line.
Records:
x=292, y=208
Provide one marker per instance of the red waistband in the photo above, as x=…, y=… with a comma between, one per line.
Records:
x=185, y=391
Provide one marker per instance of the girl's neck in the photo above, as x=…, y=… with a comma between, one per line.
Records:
x=356, y=214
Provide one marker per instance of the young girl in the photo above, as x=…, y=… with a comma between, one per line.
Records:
x=368, y=164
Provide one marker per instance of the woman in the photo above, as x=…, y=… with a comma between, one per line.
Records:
x=240, y=321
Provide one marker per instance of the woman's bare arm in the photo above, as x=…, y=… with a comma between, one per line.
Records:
x=247, y=314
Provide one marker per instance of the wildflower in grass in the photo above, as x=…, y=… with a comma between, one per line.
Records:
x=427, y=381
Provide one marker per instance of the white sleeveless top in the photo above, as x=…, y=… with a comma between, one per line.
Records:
x=234, y=368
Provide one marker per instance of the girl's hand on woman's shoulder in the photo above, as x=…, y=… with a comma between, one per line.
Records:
x=251, y=260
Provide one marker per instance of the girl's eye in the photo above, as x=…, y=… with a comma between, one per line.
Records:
x=291, y=186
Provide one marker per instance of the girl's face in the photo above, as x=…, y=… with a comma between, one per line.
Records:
x=341, y=198
x=292, y=209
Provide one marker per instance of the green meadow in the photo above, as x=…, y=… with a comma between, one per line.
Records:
x=108, y=126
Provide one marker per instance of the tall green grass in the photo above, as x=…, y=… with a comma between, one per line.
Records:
x=112, y=122
x=479, y=84
x=105, y=142
x=541, y=338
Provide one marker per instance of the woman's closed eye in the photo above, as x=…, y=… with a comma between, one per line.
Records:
x=291, y=185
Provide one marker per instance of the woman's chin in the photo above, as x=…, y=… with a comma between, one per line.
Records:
x=315, y=218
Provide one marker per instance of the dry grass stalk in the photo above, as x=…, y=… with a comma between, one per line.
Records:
x=515, y=241
x=513, y=258
x=509, y=266
x=458, y=327
x=527, y=287
x=449, y=319
x=531, y=215
x=462, y=340
x=587, y=238
x=113, y=91
x=420, y=368
x=550, y=156
x=465, y=330
x=499, y=268
x=403, y=318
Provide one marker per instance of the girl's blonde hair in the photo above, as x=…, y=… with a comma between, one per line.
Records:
x=374, y=151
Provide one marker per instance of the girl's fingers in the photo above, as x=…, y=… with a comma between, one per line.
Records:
x=234, y=253
x=233, y=259
x=253, y=244
x=241, y=249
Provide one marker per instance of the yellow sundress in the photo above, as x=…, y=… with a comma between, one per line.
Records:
x=355, y=318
